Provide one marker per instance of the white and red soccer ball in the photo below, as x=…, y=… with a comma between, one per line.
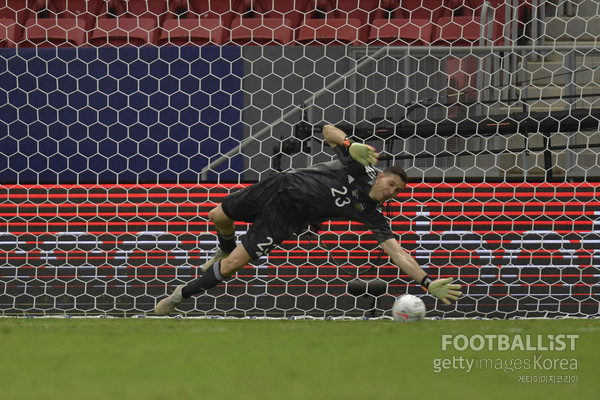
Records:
x=408, y=308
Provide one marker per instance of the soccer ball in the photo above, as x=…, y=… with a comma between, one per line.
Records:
x=408, y=308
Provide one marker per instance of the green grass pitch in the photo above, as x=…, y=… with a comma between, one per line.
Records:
x=286, y=359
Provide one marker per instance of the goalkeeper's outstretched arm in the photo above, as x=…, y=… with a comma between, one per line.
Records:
x=443, y=289
x=336, y=138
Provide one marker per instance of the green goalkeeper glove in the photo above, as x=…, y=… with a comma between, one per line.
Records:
x=363, y=153
x=444, y=290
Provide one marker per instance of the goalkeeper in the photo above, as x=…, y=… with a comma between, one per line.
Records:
x=285, y=203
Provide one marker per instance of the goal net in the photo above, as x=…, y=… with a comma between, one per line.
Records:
x=123, y=123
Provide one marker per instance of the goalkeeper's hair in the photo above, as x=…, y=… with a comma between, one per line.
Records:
x=394, y=169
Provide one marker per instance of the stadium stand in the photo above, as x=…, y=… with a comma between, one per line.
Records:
x=8, y=28
x=254, y=22
x=199, y=22
x=264, y=23
x=469, y=22
x=12, y=19
x=122, y=22
x=53, y=24
x=408, y=24
x=328, y=22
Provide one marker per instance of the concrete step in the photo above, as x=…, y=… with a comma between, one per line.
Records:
x=583, y=56
x=542, y=100
x=590, y=91
x=576, y=28
x=566, y=8
x=539, y=106
x=545, y=98
x=585, y=8
x=576, y=161
x=544, y=72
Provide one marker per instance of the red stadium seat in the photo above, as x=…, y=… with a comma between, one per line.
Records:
x=463, y=27
x=393, y=25
x=400, y=31
x=199, y=22
x=7, y=32
x=80, y=9
x=150, y=9
x=197, y=30
x=52, y=24
x=16, y=10
x=410, y=23
x=324, y=23
x=426, y=9
x=122, y=23
x=264, y=22
x=123, y=31
x=51, y=32
x=13, y=14
x=457, y=31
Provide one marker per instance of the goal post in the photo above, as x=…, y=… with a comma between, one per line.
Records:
x=122, y=126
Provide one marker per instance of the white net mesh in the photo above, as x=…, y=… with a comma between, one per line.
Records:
x=124, y=123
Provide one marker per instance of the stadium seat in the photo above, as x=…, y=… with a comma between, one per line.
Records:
x=463, y=27
x=426, y=9
x=122, y=31
x=264, y=22
x=457, y=31
x=81, y=9
x=199, y=22
x=51, y=24
x=13, y=14
x=122, y=23
x=7, y=32
x=155, y=10
x=195, y=30
x=54, y=32
x=17, y=10
x=395, y=25
x=325, y=23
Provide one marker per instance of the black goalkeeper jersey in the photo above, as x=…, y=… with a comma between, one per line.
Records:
x=334, y=190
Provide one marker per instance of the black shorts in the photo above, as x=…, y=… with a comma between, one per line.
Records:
x=264, y=205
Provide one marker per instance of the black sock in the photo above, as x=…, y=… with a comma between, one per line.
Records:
x=226, y=242
x=209, y=279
